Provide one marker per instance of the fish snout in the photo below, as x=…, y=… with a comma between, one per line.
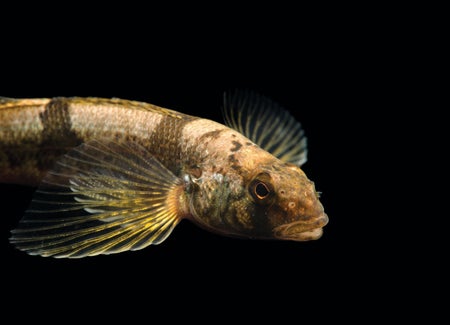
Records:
x=302, y=230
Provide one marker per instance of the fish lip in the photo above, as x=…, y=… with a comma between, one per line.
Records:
x=301, y=230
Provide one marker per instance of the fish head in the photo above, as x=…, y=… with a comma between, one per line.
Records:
x=274, y=201
x=285, y=204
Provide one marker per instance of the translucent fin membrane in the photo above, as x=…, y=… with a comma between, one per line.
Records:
x=100, y=198
x=267, y=124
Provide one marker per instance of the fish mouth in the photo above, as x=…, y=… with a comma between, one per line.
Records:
x=301, y=230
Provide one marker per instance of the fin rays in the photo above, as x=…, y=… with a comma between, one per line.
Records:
x=101, y=198
x=267, y=124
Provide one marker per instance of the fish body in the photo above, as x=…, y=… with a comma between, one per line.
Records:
x=116, y=175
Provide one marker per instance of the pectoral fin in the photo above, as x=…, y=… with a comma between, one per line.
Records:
x=267, y=124
x=101, y=198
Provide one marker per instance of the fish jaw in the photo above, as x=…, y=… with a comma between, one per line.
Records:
x=301, y=230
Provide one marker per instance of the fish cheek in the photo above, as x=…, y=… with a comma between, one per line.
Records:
x=276, y=216
x=242, y=212
x=258, y=220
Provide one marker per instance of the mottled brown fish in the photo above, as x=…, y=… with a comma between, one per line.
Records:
x=117, y=175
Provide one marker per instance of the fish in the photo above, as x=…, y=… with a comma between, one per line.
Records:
x=114, y=175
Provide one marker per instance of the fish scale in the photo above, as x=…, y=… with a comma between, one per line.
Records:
x=115, y=175
x=167, y=141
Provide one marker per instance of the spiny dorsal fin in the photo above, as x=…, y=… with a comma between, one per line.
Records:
x=100, y=198
x=267, y=124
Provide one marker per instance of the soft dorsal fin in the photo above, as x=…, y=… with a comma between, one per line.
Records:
x=101, y=198
x=267, y=124
x=4, y=100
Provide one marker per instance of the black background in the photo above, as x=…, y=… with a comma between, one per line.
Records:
x=326, y=73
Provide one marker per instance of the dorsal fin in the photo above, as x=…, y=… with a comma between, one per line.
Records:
x=4, y=100
x=267, y=124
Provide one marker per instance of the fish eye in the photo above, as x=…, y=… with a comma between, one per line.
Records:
x=261, y=190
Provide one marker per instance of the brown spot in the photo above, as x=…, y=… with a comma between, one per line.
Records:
x=236, y=167
x=237, y=146
x=248, y=143
x=276, y=168
x=210, y=135
x=233, y=135
x=234, y=162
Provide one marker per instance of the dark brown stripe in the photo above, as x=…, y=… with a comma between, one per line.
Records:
x=57, y=126
x=165, y=142
x=57, y=135
x=27, y=165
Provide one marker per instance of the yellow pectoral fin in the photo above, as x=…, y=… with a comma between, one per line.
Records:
x=101, y=198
